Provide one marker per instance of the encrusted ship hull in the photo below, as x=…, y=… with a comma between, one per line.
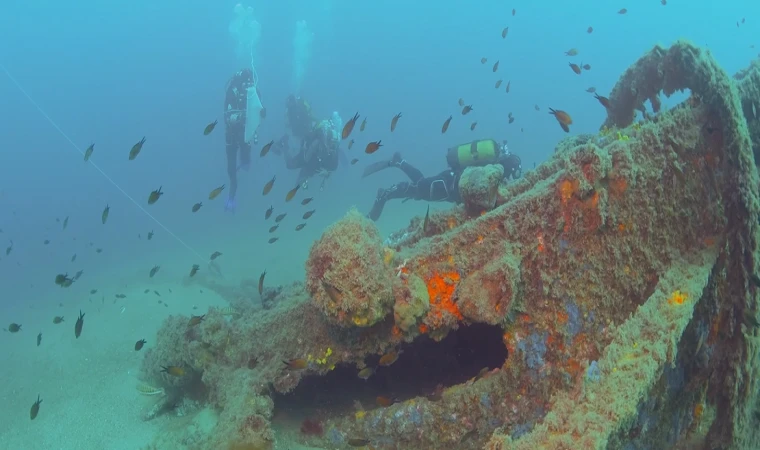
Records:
x=612, y=288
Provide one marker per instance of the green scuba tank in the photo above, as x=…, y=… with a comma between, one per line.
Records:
x=475, y=153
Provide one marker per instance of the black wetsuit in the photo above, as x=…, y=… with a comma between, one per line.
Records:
x=443, y=187
x=235, y=104
x=315, y=154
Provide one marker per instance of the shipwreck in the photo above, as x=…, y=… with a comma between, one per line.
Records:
x=606, y=300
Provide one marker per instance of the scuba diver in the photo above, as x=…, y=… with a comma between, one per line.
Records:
x=298, y=117
x=235, y=104
x=319, y=152
x=443, y=187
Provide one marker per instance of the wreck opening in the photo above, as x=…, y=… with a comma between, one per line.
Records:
x=423, y=367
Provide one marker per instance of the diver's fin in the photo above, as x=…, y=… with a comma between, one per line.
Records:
x=375, y=167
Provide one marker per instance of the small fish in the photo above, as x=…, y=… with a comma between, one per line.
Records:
x=514, y=11
x=466, y=110
x=269, y=212
x=88, y=152
x=63, y=280
x=157, y=293
x=483, y=372
x=473, y=125
x=296, y=364
x=154, y=271
x=504, y=32
x=215, y=255
x=46, y=241
x=150, y=235
x=261, y=282
x=591, y=90
x=136, y=149
x=446, y=124
x=623, y=11
x=511, y=119
x=98, y=250
x=354, y=161
x=272, y=240
x=509, y=83
x=139, y=344
x=365, y=373
x=483, y=60
x=73, y=257
x=300, y=226
x=146, y=291
x=603, y=100
x=394, y=121
x=537, y=108
x=9, y=249
x=292, y=193
x=209, y=128
x=334, y=293
x=384, y=401
x=57, y=319
x=120, y=296
x=194, y=270
x=35, y=408
x=39, y=338
x=215, y=193
x=372, y=147
x=587, y=67
x=104, y=215
x=197, y=206
x=78, y=326
x=263, y=113
x=356, y=442
x=498, y=83
x=389, y=358
x=93, y=291
x=576, y=68
x=590, y=30
x=495, y=66
x=174, y=371
x=307, y=200
x=268, y=186
x=461, y=102
x=155, y=195
x=279, y=218
x=65, y=222
x=308, y=214
x=14, y=328
x=364, y=124
x=571, y=52
x=195, y=320
x=265, y=149
x=426, y=222
x=350, y=144
x=563, y=118
x=349, y=126
x=274, y=228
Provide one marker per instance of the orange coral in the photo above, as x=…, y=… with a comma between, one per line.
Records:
x=567, y=189
x=678, y=297
x=441, y=291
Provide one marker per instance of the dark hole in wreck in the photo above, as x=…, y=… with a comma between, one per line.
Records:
x=423, y=367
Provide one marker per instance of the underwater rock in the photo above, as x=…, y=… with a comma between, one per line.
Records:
x=478, y=187
x=346, y=274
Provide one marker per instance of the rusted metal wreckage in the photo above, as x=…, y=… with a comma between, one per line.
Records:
x=619, y=277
